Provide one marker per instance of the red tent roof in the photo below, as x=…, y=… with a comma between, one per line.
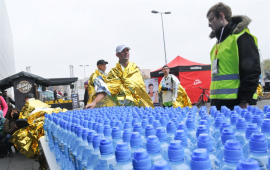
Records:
x=180, y=61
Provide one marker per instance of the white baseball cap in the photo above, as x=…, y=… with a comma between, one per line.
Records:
x=120, y=48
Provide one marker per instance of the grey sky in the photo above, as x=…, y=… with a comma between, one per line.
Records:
x=50, y=35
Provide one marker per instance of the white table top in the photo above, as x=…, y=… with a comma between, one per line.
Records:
x=49, y=155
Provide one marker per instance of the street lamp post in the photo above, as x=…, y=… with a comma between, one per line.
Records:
x=84, y=69
x=155, y=12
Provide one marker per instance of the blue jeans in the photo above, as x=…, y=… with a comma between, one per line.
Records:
x=7, y=143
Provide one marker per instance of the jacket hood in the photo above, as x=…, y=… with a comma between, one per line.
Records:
x=242, y=22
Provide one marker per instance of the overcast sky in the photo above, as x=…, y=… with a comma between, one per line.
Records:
x=50, y=35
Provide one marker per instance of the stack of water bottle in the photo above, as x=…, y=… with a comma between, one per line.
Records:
x=126, y=138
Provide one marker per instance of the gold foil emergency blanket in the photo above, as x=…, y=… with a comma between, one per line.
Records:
x=30, y=106
x=26, y=139
x=259, y=90
x=91, y=87
x=127, y=87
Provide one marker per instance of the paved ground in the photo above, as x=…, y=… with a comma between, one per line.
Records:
x=19, y=162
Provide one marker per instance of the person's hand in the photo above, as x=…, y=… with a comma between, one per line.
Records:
x=90, y=105
x=243, y=105
x=164, y=88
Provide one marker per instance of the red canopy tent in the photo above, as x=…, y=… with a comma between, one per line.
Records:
x=192, y=75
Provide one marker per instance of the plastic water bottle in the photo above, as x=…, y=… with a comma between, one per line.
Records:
x=149, y=130
x=161, y=164
x=258, y=120
x=266, y=130
x=107, y=158
x=141, y=160
x=107, y=131
x=248, y=164
x=95, y=155
x=100, y=128
x=136, y=142
x=216, y=132
x=248, y=116
x=116, y=136
x=176, y=156
x=233, y=120
x=241, y=126
x=81, y=149
x=89, y=148
x=227, y=134
x=162, y=136
x=251, y=128
x=259, y=149
x=154, y=149
x=181, y=135
x=171, y=129
x=232, y=154
x=200, y=160
x=206, y=142
x=126, y=135
x=123, y=157
x=191, y=134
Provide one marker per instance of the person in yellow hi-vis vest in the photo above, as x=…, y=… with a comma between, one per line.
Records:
x=235, y=61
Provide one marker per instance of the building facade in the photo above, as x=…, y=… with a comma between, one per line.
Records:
x=7, y=63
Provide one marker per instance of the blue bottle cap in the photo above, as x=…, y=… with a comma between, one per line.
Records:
x=233, y=151
x=204, y=122
x=234, y=118
x=127, y=125
x=107, y=130
x=218, y=122
x=248, y=116
x=122, y=152
x=251, y=128
x=267, y=116
x=181, y=135
x=151, y=119
x=145, y=123
x=248, y=164
x=205, y=141
x=90, y=136
x=141, y=160
x=227, y=134
x=161, y=165
x=163, y=121
x=190, y=123
x=161, y=134
x=176, y=151
x=153, y=144
x=96, y=140
x=243, y=112
x=116, y=133
x=257, y=119
x=85, y=133
x=201, y=129
x=134, y=121
x=149, y=130
x=94, y=126
x=135, y=140
x=127, y=135
x=113, y=121
x=156, y=124
x=79, y=131
x=106, y=146
x=100, y=128
x=241, y=124
x=224, y=125
x=258, y=143
x=119, y=124
x=266, y=126
x=200, y=160
x=182, y=126
x=171, y=128
x=138, y=128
